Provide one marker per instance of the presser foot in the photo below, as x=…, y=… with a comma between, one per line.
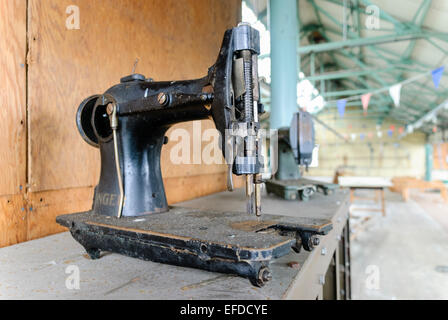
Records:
x=227, y=242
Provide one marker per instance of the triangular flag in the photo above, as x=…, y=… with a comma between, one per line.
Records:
x=437, y=75
x=392, y=127
x=395, y=93
x=365, y=98
x=361, y=136
x=370, y=135
x=341, y=107
x=410, y=128
x=353, y=136
x=390, y=132
x=379, y=134
x=400, y=130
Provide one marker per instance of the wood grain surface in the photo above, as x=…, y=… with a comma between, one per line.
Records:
x=12, y=97
x=46, y=70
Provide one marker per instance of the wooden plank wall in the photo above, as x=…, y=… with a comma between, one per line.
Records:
x=12, y=121
x=46, y=169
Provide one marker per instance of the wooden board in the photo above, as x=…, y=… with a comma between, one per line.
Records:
x=405, y=184
x=173, y=40
x=13, y=220
x=44, y=161
x=364, y=182
x=42, y=208
x=198, y=147
x=12, y=97
x=186, y=188
x=45, y=206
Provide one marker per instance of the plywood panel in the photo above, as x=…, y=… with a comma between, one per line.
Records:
x=12, y=97
x=13, y=220
x=44, y=207
x=201, y=152
x=173, y=40
x=186, y=188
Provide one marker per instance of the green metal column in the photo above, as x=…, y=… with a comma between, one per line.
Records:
x=429, y=161
x=284, y=28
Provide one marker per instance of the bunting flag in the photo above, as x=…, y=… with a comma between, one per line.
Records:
x=379, y=134
x=390, y=132
x=341, y=107
x=353, y=136
x=395, y=93
x=361, y=136
x=410, y=128
x=437, y=75
x=370, y=135
x=392, y=128
x=434, y=129
x=400, y=130
x=365, y=98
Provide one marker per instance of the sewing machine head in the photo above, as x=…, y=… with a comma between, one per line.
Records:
x=295, y=145
x=301, y=138
x=129, y=121
x=128, y=124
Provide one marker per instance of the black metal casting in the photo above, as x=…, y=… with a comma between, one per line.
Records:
x=128, y=124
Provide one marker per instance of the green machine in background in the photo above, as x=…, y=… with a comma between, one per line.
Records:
x=295, y=149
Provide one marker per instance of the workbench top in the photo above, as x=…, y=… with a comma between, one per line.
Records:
x=364, y=182
x=39, y=269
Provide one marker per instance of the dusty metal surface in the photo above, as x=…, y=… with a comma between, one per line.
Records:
x=227, y=242
x=38, y=269
x=231, y=228
x=305, y=282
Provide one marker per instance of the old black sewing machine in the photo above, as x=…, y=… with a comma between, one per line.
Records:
x=295, y=149
x=130, y=214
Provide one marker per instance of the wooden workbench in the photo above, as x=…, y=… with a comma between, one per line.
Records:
x=377, y=184
x=39, y=269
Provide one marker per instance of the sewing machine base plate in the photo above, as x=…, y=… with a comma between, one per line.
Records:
x=301, y=189
x=325, y=187
x=228, y=242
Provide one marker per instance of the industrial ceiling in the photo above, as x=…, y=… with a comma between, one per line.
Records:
x=351, y=56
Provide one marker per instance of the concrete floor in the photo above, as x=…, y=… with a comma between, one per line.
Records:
x=405, y=254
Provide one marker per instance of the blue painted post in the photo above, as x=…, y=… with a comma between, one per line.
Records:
x=429, y=161
x=284, y=28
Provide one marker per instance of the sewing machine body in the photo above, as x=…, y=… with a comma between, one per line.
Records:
x=130, y=214
x=295, y=148
x=228, y=242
